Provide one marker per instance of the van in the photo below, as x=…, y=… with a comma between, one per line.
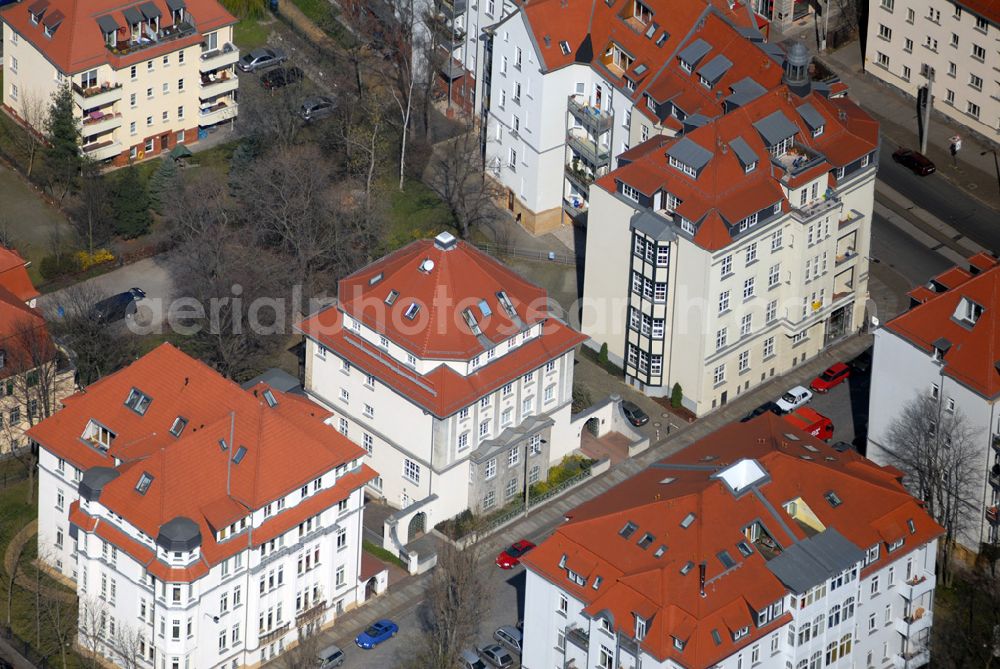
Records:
x=331, y=656
x=509, y=637
x=811, y=421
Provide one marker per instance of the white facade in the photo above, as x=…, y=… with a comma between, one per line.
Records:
x=882, y=619
x=907, y=41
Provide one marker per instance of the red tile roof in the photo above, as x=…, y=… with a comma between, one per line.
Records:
x=24, y=338
x=286, y=446
x=459, y=278
x=78, y=43
x=660, y=499
x=723, y=194
x=975, y=348
x=988, y=9
x=14, y=275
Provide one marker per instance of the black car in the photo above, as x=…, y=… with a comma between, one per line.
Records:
x=914, y=161
x=280, y=77
x=861, y=364
x=634, y=414
x=117, y=307
x=763, y=408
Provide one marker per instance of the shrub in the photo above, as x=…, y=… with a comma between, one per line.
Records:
x=59, y=264
x=676, y=395
x=85, y=260
x=602, y=357
x=581, y=398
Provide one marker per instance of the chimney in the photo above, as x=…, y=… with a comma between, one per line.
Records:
x=701, y=579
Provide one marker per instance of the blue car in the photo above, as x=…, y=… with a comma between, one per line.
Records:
x=376, y=634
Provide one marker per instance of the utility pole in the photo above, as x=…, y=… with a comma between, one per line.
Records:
x=928, y=102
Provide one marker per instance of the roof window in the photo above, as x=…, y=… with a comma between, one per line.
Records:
x=411, y=311
x=688, y=566
x=505, y=302
x=142, y=485
x=390, y=299
x=688, y=519
x=564, y=47
x=833, y=498
x=269, y=397
x=662, y=38
x=910, y=524
x=179, y=424
x=716, y=637
x=223, y=446
x=470, y=320
x=726, y=559
x=628, y=530
x=646, y=540
x=597, y=582
x=744, y=548
x=138, y=401
x=375, y=279
x=484, y=309
x=661, y=549
x=240, y=453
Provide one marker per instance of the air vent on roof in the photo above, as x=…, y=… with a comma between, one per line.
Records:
x=411, y=311
x=223, y=446
x=646, y=540
x=426, y=266
x=390, y=299
x=375, y=279
x=688, y=519
x=445, y=241
x=470, y=320
x=669, y=479
x=791, y=437
x=505, y=302
x=660, y=550
x=179, y=424
x=269, y=397
x=688, y=566
x=628, y=530
x=832, y=498
x=562, y=561
x=240, y=453
x=143, y=484
x=564, y=47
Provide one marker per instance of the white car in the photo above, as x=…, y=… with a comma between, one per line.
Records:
x=794, y=398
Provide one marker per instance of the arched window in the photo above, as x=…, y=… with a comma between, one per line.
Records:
x=831, y=652
x=815, y=660
x=834, y=618
x=819, y=624
x=845, y=645
x=805, y=633
x=848, y=608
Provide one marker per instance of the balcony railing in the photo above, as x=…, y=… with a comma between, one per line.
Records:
x=310, y=614
x=94, y=97
x=148, y=38
x=991, y=514
x=102, y=150
x=574, y=206
x=579, y=178
x=845, y=256
x=995, y=478
x=578, y=638
x=598, y=156
x=830, y=201
x=277, y=632
x=592, y=118
x=851, y=217
x=216, y=58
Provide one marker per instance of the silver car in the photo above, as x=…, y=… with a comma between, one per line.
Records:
x=330, y=657
x=260, y=59
x=497, y=656
x=509, y=637
x=469, y=659
x=316, y=108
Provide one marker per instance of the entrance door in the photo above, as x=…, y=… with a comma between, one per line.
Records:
x=164, y=141
x=725, y=396
x=510, y=200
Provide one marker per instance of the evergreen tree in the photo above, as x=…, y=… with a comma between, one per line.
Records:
x=130, y=204
x=163, y=184
x=61, y=159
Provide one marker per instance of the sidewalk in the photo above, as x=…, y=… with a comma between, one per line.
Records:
x=896, y=112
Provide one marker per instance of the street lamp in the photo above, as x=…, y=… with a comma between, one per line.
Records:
x=996, y=163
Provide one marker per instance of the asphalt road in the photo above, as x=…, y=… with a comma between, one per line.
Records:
x=895, y=249
x=938, y=196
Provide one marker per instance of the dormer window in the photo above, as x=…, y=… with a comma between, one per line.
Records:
x=37, y=10
x=818, y=131
x=617, y=60
x=895, y=545
x=506, y=304
x=740, y=633
x=98, y=435
x=686, y=169
x=678, y=644
x=640, y=628
x=178, y=427
x=750, y=167
x=606, y=625
x=138, y=401
x=968, y=311
x=642, y=13
x=686, y=66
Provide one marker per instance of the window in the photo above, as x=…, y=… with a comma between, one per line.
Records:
x=908, y=45
x=630, y=193
x=882, y=59
x=954, y=39
x=751, y=253
x=776, y=239
x=726, y=267
x=345, y=395
x=512, y=158
x=979, y=53
x=719, y=374
x=369, y=411
x=768, y=347
x=511, y=488
x=906, y=73
x=411, y=470
x=884, y=31
x=949, y=96
x=484, y=428
x=874, y=585
x=720, y=339
x=976, y=82
x=506, y=417
x=489, y=501
x=888, y=5
x=180, y=85
x=972, y=109
x=743, y=361
x=343, y=426
x=490, y=470
x=748, y=288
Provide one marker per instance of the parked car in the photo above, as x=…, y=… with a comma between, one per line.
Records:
x=497, y=656
x=862, y=364
x=510, y=557
x=811, y=421
x=316, y=108
x=914, y=161
x=509, y=637
x=281, y=77
x=380, y=631
x=831, y=377
x=793, y=399
x=469, y=659
x=117, y=307
x=763, y=408
x=330, y=657
x=260, y=59
x=842, y=446
x=634, y=414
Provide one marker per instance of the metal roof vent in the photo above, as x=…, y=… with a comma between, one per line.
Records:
x=426, y=266
x=445, y=241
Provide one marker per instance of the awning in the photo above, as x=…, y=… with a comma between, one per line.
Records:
x=180, y=151
x=452, y=70
x=107, y=24
x=775, y=128
x=132, y=16
x=174, y=5
x=150, y=11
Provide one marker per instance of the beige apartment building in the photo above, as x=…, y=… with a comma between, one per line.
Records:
x=737, y=251
x=958, y=43
x=146, y=75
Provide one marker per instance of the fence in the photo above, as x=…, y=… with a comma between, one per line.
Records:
x=24, y=648
x=517, y=512
x=513, y=251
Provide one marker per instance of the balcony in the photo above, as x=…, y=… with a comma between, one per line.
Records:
x=97, y=123
x=850, y=218
x=917, y=586
x=148, y=38
x=796, y=160
x=97, y=96
x=991, y=515
x=578, y=637
x=842, y=258
x=911, y=659
x=267, y=637
x=217, y=113
x=593, y=119
x=214, y=85
x=912, y=625
x=102, y=150
x=310, y=614
x=216, y=58
x=579, y=177
x=598, y=156
x=995, y=476
x=574, y=206
x=829, y=201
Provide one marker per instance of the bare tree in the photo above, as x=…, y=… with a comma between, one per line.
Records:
x=12, y=578
x=129, y=646
x=457, y=176
x=61, y=619
x=93, y=217
x=455, y=603
x=92, y=623
x=936, y=450
x=305, y=652
x=365, y=144
x=33, y=111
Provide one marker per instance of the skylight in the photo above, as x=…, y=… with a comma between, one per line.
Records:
x=910, y=524
x=240, y=453
x=470, y=320
x=375, y=279
x=688, y=566
x=484, y=309
x=646, y=540
x=269, y=397
x=564, y=47
x=688, y=519
x=507, y=305
x=223, y=446
x=597, y=582
x=411, y=311
x=628, y=530
x=138, y=401
x=660, y=551
x=179, y=424
x=143, y=484
x=726, y=559
x=833, y=499
x=744, y=548
x=391, y=297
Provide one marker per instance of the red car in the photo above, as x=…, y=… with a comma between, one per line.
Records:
x=511, y=557
x=830, y=378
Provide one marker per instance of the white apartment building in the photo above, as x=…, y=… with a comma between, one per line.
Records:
x=448, y=368
x=203, y=525
x=738, y=250
x=944, y=347
x=953, y=42
x=575, y=83
x=753, y=547
x=146, y=75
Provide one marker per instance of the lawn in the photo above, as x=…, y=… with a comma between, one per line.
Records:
x=324, y=14
x=415, y=213
x=251, y=33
